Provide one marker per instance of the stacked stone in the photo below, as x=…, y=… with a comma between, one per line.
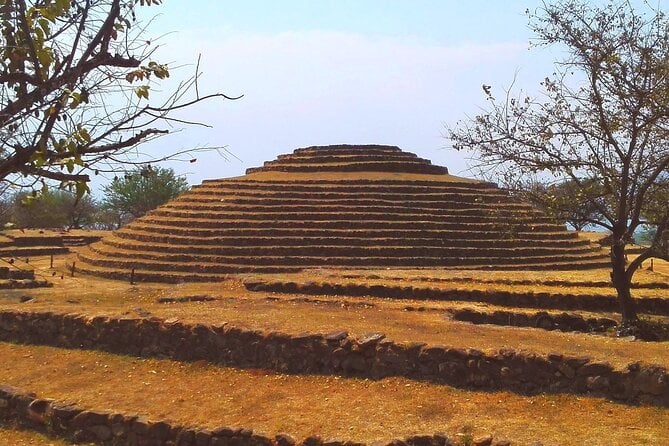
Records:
x=29, y=245
x=260, y=224
x=348, y=158
x=74, y=423
x=370, y=355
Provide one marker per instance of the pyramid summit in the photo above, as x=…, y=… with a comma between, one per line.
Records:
x=344, y=206
x=350, y=158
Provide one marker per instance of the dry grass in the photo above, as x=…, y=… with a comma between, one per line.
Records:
x=483, y=280
x=52, y=232
x=332, y=407
x=660, y=266
x=593, y=236
x=364, y=410
x=16, y=437
x=291, y=314
x=642, y=276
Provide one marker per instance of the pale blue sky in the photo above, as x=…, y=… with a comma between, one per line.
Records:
x=436, y=21
x=328, y=72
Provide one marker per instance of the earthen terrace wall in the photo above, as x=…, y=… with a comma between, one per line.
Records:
x=338, y=353
x=59, y=419
x=558, y=301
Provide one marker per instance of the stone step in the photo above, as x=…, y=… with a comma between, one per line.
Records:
x=325, y=197
x=247, y=208
x=437, y=202
x=141, y=275
x=471, y=257
x=343, y=149
x=330, y=160
x=369, y=166
x=13, y=271
x=152, y=237
x=230, y=230
x=347, y=158
x=462, y=216
x=423, y=219
x=208, y=271
x=558, y=264
x=360, y=181
x=338, y=250
x=32, y=251
x=116, y=268
x=506, y=229
x=74, y=241
x=415, y=182
x=35, y=240
x=354, y=187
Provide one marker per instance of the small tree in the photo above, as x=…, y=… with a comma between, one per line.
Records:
x=140, y=191
x=75, y=80
x=52, y=209
x=5, y=206
x=604, y=118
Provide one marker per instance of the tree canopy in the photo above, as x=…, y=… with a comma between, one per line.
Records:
x=602, y=118
x=75, y=82
x=567, y=201
x=140, y=191
x=52, y=209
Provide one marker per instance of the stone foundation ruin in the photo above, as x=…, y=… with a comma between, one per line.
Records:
x=367, y=206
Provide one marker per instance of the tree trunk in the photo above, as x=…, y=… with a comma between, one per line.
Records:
x=622, y=283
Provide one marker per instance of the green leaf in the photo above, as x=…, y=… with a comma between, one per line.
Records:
x=45, y=57
x=142, y=91
x=39, y=37
x=84, y=135
x=44, y=24
x=82, y=189
x=38, y=159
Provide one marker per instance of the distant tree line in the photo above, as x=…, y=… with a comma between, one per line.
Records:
x=123, y=200
x=580, y=206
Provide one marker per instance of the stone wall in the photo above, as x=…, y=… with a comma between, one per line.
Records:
x=338, y=353
x=564, y=301
x=542, y=319
x=108, y=428
x=13, y=273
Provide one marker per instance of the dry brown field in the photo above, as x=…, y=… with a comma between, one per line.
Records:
x=358, y=409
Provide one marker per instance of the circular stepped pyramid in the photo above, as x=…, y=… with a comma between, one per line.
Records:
x=342, y=207
x=344, y=158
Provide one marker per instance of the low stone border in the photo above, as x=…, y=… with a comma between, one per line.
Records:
x=652, y=305
x=542, y=319
x=648, y=330
x=14, y=273
x=20, y=284
x=574, y=283
x=338, y=353
x=73, y=423
x=184, y=299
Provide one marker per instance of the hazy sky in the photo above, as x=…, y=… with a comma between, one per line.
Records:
x=317, y=72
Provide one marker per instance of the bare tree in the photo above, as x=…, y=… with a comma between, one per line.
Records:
x=75, y=82
x=603, y=118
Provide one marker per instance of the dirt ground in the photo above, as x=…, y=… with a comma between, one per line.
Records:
x=332, y=407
